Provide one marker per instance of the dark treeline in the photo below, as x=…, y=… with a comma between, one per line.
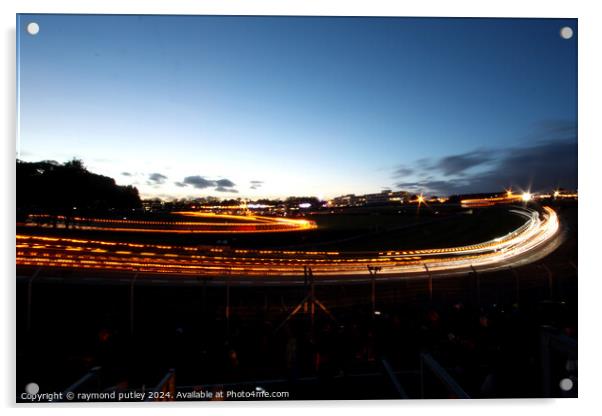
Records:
x=69, y=189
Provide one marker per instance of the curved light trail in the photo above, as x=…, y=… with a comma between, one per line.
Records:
x=222, y=262
x=233, y=224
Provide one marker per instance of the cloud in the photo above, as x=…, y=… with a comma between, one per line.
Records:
x=543, y=165
x=225, y=183
x=224, y=189
x=156, y=179
x=198, y=182
x=546, y=160
x=459, y=164
x=126, y=173
x=450, y=165
x=557, y=128
x=256, y=184
x=403, y=171
x=449, y=187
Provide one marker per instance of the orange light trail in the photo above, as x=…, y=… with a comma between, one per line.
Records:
x=245, y=224
x=41, y=251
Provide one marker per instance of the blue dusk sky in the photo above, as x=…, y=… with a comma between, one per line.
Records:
x=184, y=106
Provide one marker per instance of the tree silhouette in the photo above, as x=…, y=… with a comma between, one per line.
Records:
x=65, y=189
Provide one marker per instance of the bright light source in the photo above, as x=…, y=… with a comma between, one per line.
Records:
x=556, y=194
x=527, y=196
x=420, y=199
x=304, y=205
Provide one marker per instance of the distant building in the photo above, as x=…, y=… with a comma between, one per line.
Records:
x=350, y=200
x=381, y=198
x=386, y=197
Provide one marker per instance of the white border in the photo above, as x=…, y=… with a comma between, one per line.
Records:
x=590, y=68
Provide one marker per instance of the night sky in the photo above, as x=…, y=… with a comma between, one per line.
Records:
x=276, y=106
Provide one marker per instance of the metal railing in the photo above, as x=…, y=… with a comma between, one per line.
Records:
x=91, y=376
x=427, y=362
x=392, y=378
x=165, y=390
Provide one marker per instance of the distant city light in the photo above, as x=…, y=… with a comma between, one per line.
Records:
x=420, y=199
x=258, y=206
x=304, y=205
x=527, y=196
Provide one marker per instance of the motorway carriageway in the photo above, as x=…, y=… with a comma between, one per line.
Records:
x=190, y=261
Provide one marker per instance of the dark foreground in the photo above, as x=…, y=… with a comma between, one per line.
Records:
x=504, y=334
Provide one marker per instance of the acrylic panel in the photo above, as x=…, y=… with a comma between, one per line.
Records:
x=290, y=208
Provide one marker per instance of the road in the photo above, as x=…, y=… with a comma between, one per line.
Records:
x=100, y=259
x=234, y=224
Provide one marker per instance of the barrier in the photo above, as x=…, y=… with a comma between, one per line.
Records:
x=429, y=363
